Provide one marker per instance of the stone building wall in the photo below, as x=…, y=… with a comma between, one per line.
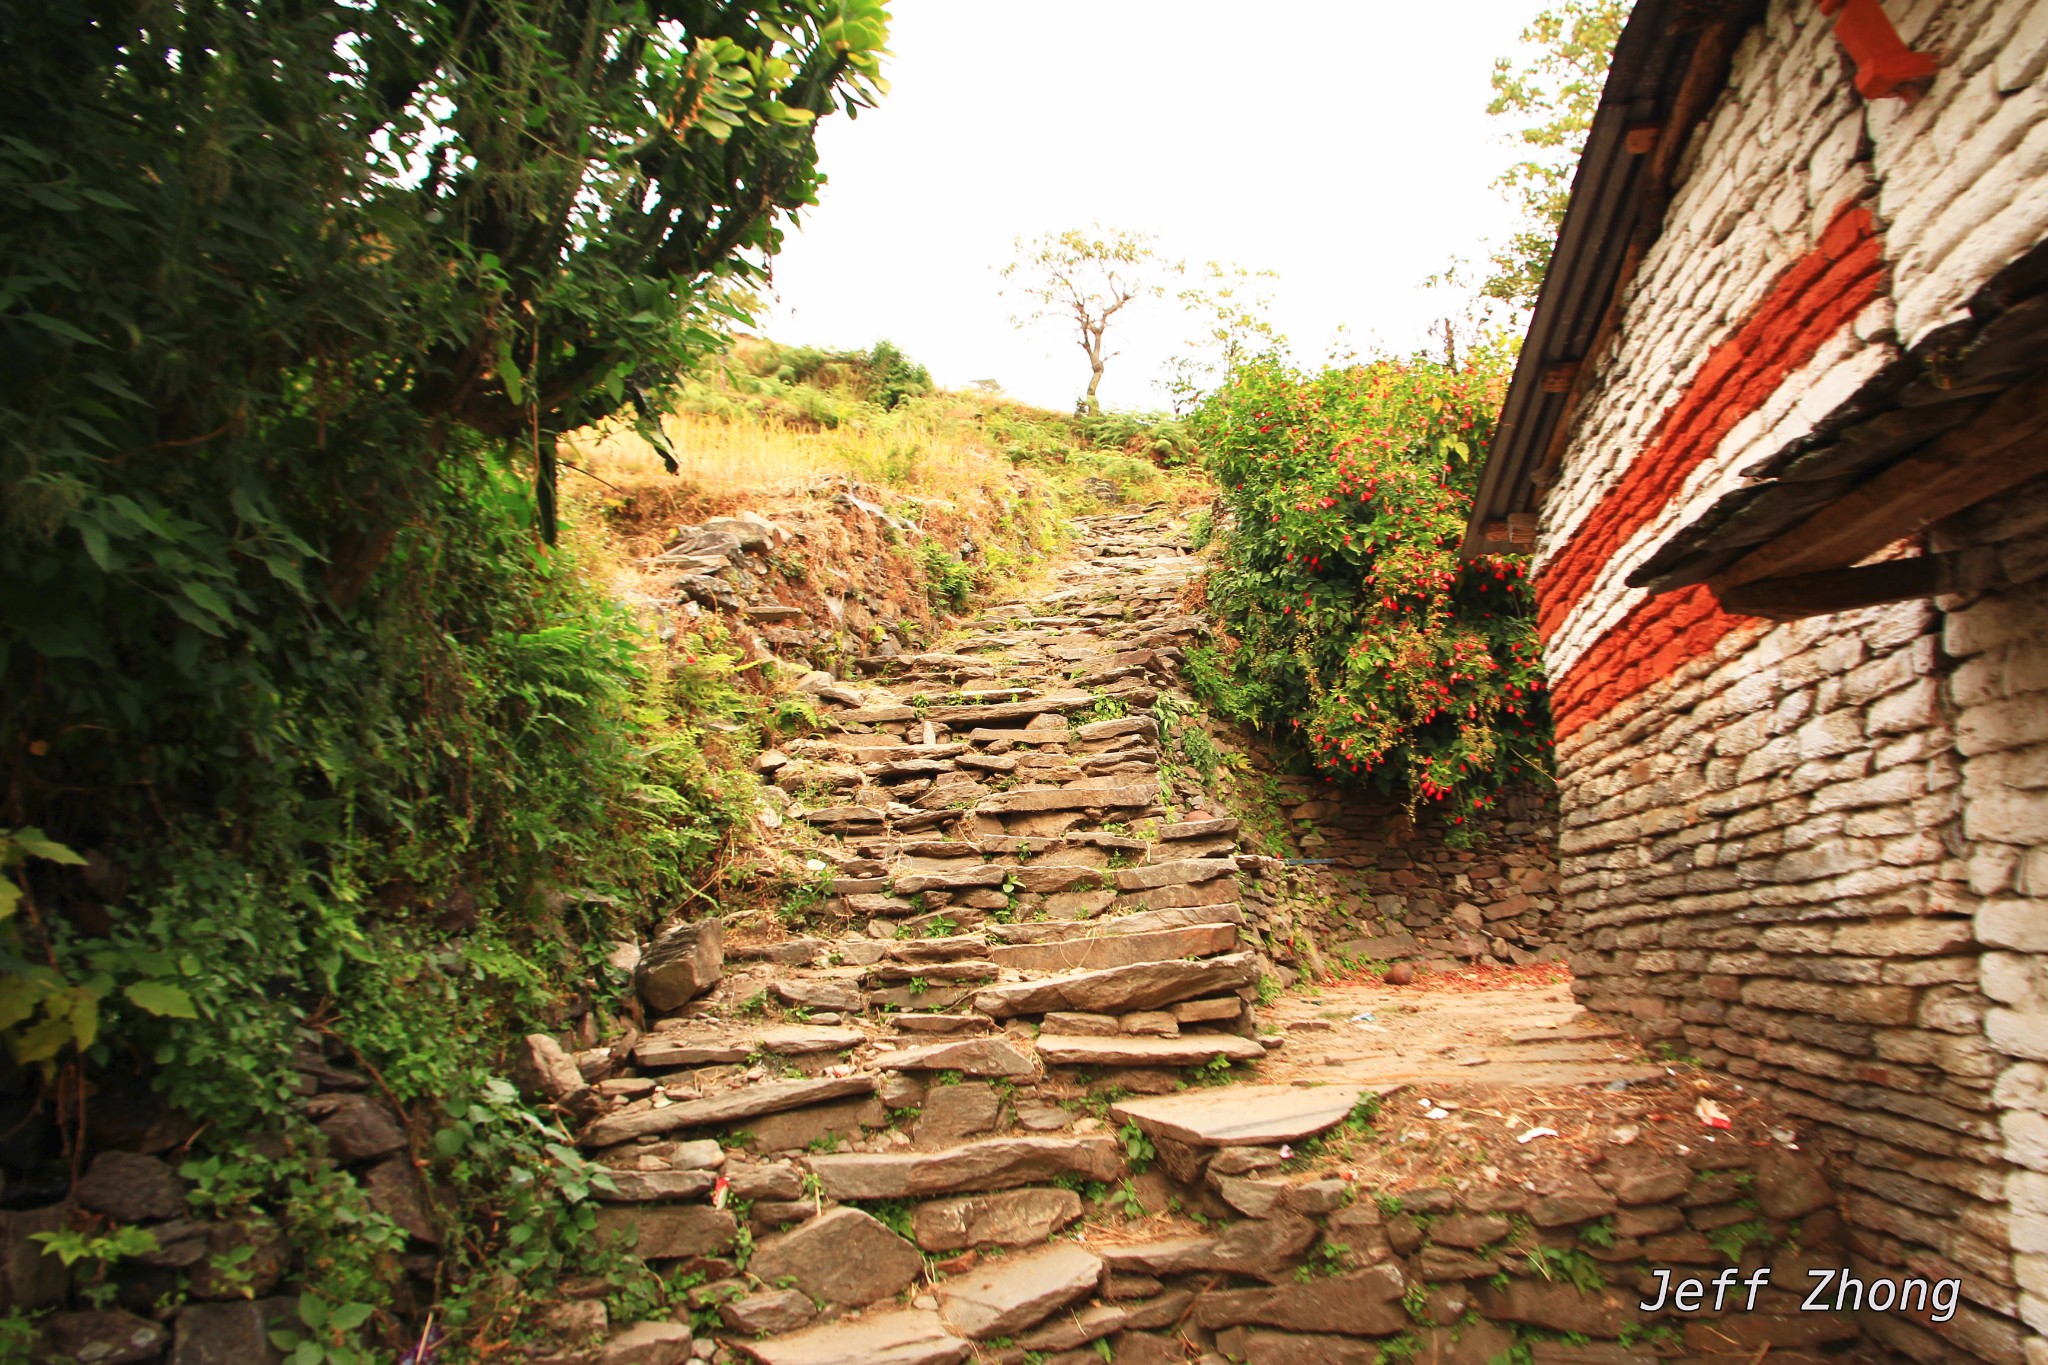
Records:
x=1996, y=691
x=1810, y=853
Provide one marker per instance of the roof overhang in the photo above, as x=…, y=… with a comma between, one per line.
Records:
x=1670, y=62
x=1960, y=420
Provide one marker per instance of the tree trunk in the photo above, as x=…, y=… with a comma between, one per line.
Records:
x=1094, y=382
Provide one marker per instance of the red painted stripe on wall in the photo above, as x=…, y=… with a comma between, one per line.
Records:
x=1649, y=643
x=1827, y=287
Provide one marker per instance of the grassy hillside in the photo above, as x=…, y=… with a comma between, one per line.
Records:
x=768, y=420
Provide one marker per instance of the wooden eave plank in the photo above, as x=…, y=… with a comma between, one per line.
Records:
x=2000, y=449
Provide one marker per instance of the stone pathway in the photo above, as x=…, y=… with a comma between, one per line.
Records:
x=1025, y=1100
x=1379, y=1036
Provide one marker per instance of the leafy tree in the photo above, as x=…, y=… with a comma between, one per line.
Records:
x=271, y=272
x=1231, y=308
x=1353, y=629
x=1552, y=95
x=1083, y=279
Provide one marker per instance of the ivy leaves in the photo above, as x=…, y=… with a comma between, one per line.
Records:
x=45, y=1012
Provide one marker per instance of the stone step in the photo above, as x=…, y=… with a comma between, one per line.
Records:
x=1117, y=950
x=969, y=1057
x=1119, y=990
x=1006, y=1297
x=769, y=1097
x=983, y=714
x=990, y=1164
x=1138, y=922
x=901, y=1337
x=1092, y=793
x=1243, y=1115
x=1189, y=1049
x=1005, y=1218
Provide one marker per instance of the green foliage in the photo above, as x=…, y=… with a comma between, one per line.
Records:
x=894, y=1214
x=1103, y=708
x=1569, y=1266
x=1353, y=628
x=1125, y=1199
x=294, y=301
x=948, y=581
x=1182, y=740
x=1737, y=1238
x=1138, y=1148
x=1553, y=94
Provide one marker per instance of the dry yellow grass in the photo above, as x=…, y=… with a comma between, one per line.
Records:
x=925, y=454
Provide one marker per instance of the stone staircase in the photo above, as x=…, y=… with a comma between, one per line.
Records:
x=874, y=1145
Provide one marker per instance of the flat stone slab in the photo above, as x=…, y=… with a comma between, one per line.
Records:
x=666, y=1232
x=1242, y=1115
x=1117, y=950
x=950, y=949
x=903, y=1337
x=844, y=815
x=1174, y=1256
x=1118, y=990
x=802, y=1041
x=964, y=970
x=642, y=1187
x=874, y=715
x=1003, y=1298
x=986, y=874
x=970, y=1057
x=1198, y=829
x=660, y=1050
x=1365, y=1303
x=1011, y=710
x=941, y=1023
x=1071, y=798
x=1179, y=872
x=1191, y=1049
x=992, y=1164
x=844, y=1256
x=771, y=1097
x=1007, y=1218
x=1142, y=922
x=812, y=994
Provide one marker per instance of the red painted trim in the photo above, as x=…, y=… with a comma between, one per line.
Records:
x=1813, y=300
x=1648, y=644
x=1885, y=66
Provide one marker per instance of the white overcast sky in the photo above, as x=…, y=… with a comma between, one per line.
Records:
x=1342, y=143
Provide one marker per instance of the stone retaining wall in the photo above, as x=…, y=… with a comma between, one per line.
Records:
x=1395, y=888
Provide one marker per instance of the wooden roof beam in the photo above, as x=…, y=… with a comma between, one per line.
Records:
x=2003, y=447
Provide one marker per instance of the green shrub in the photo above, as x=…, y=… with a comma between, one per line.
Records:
x=1354, y=630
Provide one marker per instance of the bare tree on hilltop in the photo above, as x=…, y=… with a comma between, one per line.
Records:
x=1083, y=278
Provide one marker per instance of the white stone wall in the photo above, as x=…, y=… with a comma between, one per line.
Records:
x=1781, y=152
x=1818, y=856
x=1963, y=173
x=1767, y=859
x=1998, y=691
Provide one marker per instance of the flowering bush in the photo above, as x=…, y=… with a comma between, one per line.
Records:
x=1351, y=625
